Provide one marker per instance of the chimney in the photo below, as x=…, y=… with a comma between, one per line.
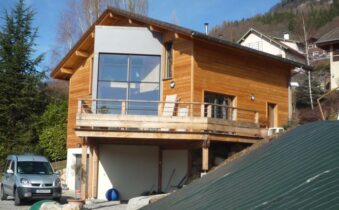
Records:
x=206, y=28
x=286, y=36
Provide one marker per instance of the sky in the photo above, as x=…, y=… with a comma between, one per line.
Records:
x=188, y=13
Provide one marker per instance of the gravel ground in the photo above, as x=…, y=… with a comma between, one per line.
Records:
x=9, y=204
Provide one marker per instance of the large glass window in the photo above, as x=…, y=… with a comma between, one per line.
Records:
x=128, y=77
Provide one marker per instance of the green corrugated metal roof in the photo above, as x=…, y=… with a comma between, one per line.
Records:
x=298, y=170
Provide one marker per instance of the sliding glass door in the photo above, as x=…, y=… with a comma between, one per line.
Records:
x=129, y=77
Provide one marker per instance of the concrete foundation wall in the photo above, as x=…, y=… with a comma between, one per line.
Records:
x=130, y=169
x=174, y=162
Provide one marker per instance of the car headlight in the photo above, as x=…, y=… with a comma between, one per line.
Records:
x=57, y=182
x=24, y=182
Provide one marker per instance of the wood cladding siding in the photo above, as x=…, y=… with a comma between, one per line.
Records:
x=182, y=56
x=199, y=67
x=78, y=88
x=235, y=73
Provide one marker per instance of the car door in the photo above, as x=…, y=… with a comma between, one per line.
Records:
x=9, y=178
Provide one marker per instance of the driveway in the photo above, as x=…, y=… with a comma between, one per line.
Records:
x=102, y=205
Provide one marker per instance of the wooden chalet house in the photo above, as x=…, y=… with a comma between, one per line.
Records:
x=153, y=104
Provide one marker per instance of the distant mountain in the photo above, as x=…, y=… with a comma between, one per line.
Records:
x=320, y=16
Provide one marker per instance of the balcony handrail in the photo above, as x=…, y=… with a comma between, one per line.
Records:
x=181, y=109
x=163, y=102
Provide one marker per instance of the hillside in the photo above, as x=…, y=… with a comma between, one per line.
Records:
x=320, y=16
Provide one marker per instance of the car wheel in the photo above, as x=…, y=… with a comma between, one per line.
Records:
x=3, y=195
x=58, y=199
x=17, y=199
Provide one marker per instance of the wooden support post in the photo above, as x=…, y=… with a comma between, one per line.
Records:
x=83, y=193
x=79, y=106
x=160, y=155
x=90, y=171
x=95, y=170
x=209, y=110
x=202, y=110
x=159, y=108
x=256, y=117
x=123, y=107
x=205, y=158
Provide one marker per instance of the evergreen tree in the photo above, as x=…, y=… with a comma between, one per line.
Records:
x=302, y=96
x=21, y=98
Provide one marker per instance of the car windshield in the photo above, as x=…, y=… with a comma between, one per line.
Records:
x=34, y=167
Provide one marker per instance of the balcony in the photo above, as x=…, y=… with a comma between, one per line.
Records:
x=170, y=120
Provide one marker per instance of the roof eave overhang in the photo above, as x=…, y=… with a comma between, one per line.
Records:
x=327, y=44
x=179, y=31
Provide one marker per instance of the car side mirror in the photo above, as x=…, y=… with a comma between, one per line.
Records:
x=57, y=173
x=10, y=171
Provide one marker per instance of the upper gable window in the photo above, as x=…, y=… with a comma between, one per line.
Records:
x=256, y=45
x=169, y=59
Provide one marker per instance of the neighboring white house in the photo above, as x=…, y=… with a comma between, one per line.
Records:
x=282, y=47
x=330, y=43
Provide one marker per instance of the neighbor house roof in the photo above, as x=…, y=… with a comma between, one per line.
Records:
x=298, y=170
x=150, y=22
x=274, y=40
x=329, y=38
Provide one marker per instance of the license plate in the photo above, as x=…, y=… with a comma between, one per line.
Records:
x=43, y=191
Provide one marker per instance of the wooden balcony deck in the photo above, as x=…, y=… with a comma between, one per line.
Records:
x=156, y=120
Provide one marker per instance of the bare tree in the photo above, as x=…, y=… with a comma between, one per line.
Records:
x=306, y=30
x=78, y=15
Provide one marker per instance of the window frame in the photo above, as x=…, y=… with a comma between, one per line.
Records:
x=335, y=53
x=168, y=73
x=129, y=82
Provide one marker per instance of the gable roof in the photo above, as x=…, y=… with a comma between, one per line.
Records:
x=329, y=38
x=274, y=40
x=298, y=170
x=150, y=22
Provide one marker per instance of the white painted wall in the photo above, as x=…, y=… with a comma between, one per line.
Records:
x=71, y=160
x=266, y=46
x=334, y=71
x=173, y=161
x=130, y=169
x=292, y=45
x=272, y=48
x=123, y=40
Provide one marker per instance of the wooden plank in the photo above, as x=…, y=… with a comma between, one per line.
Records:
x=78, y=88
x=83, y=191
x=181, y=65
x=90, y=172
x=95, y=170
x=142, y=135
x=233, y=75
x=235, y=139
x=168, y=123
x=205, y=158
x=82, y=54
x=67, y=70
